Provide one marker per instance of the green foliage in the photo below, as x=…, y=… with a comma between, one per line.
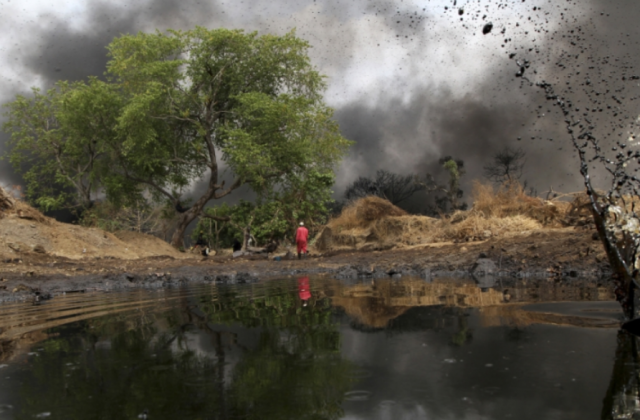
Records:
x=453, y=192
x=452, y=167
x=256, y=99
x=449, y=195
x=57, y=141
x=273, y=216
x=218, y=233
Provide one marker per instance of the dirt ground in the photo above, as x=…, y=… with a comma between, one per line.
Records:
x=23, y=234
x=552, y=251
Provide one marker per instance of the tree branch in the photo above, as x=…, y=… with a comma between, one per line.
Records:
x=236, y=184
x=214, y=217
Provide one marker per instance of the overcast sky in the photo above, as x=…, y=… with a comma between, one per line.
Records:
x=411, y=81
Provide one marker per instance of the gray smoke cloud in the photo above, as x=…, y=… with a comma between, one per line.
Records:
x=410, y=84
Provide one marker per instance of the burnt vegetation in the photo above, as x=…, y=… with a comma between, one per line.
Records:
x=506, y=165
x=430, y=194
x=393, y=187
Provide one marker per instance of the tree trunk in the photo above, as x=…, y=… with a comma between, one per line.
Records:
x=625, y=381
x=622, y=269
x=246, y=235
x=177, y=240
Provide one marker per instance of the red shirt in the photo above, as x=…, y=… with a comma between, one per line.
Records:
x=302, y=234
x=303, y=288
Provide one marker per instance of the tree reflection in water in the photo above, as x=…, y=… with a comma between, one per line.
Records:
x=116, y=367
x=622, y=400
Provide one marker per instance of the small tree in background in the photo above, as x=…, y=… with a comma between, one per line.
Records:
x=448, y=196
x=455, y=170
x=138, y=216
x=506, y=166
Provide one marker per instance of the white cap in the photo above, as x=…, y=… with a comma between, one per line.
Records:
x=301, y=223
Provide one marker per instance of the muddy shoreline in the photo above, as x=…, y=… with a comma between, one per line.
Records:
x=566, y=255
x=222, y=275
x=21, y=287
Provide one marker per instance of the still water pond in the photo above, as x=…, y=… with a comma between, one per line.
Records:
x=320, y=349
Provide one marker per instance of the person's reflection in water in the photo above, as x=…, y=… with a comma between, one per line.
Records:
x=303, y=290
x=622, y=400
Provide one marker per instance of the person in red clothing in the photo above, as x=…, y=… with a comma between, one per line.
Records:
x=301, y=239
x=304, y=291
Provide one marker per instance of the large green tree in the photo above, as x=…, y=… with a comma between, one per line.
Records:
x=204, y=99
x=214, y=108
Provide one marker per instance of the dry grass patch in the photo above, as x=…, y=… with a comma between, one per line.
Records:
x=511, y=200
x=25, y=211
x=24, y=229
x=407, y=230
x=477, y=227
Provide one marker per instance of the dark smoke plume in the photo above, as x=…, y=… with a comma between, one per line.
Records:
x=71, y=54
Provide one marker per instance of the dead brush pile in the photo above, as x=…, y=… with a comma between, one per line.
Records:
x=353, y=227
x=6, y=201
x=579, y=211
x=12, y=206
x=361, y=213
x=375, y=223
